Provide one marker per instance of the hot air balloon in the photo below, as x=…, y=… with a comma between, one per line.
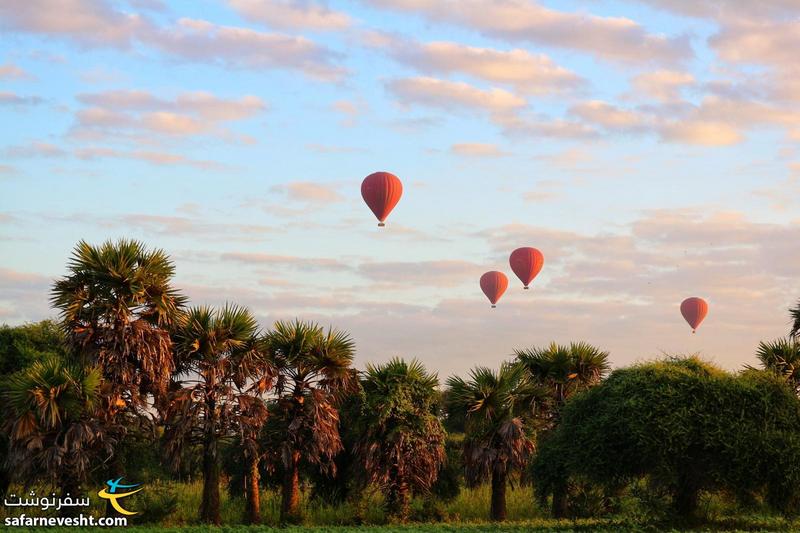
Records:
x=493, y=285
x=526, y=262
x=694, y=310
x=381, y=192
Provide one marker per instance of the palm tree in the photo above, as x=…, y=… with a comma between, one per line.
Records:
x=795, y=314
x=314, y=372
x=49, y=411
x=783, y=357
x=496, y=441
x=560, y=371
x=117, y=307
x=563, y=370
x=227, y=370
x=402, y=440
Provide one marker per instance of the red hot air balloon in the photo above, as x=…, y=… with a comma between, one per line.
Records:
x=694, y=310
x=526, y=263
x=381, y=191
x=493, y=285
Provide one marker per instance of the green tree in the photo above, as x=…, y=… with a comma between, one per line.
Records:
x=683, y=425
x=782, y=356
x=314, y=373
x=227, y=370
x=20, y=347
x=497, y=440
x=53, y=430
x=402, y=440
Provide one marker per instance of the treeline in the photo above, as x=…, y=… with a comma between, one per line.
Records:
x=133, y=382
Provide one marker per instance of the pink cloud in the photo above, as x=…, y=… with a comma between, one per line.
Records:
x=607, y=38
x=292, y=14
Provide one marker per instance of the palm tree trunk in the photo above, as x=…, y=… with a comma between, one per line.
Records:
x=209, y=506
x=560, y=500
x=498, y=509
x=290, y=503
x=398, y=499
x=253, y=497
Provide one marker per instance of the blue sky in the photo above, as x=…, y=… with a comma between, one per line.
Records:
x=648, y=148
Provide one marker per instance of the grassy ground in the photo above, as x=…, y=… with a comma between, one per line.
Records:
x=468, y=512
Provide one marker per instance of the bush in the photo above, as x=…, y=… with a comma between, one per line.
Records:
x=685, y=425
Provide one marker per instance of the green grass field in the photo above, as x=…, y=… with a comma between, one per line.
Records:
x=468, y=512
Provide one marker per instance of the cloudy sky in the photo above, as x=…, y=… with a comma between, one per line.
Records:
x=649, y=148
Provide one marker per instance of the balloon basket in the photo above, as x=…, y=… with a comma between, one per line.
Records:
x=694, y=331
x=526, y=287
x=381, y=224
x=494, y=306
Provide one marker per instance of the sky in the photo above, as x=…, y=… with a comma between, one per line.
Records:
x=649, y=148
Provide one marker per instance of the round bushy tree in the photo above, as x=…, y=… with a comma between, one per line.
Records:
x=684, y=425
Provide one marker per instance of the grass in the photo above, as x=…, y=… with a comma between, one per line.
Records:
x=468, y=512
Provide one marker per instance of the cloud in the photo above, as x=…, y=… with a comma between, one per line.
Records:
x=608, y=116
x=662, y=85
x=34, y=149
x=727, y=8
x=538, y=125
x=451, y=95
x=309, y=192
x=15, y=100
x=235, y=47
x=85, y=22
x=439, y=273
x=128, y=112
x=477, y=150
x=24, y=296
x=194, y=227
x=98, y=23
x=284, y=261
x=292, y=14
x=703, y=133
x=545, y=191
x=334, y=149
x=759, y=42
x=10, y=71
x=350, y=111
x=527, y=73
x=607, y=38
x=152, y=157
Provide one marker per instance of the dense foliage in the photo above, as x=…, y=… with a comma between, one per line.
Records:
x=684, y=426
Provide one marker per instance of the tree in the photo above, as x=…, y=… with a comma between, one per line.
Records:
x=683, y=425
x=782, y=356
x=314, y=373
x=560, y=371
x=52, y=425
x=496, y=441
x=794, y=312
x=21, y=346
x=564, y=370
x=227, y=369
x=402, y=440
x=117, y=307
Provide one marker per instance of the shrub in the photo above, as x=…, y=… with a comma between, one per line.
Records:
x=686, y=425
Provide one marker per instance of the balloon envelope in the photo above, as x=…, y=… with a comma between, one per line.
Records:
x=493, y=285
x=526, y=262
x=694, y=310
x=381, y=192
